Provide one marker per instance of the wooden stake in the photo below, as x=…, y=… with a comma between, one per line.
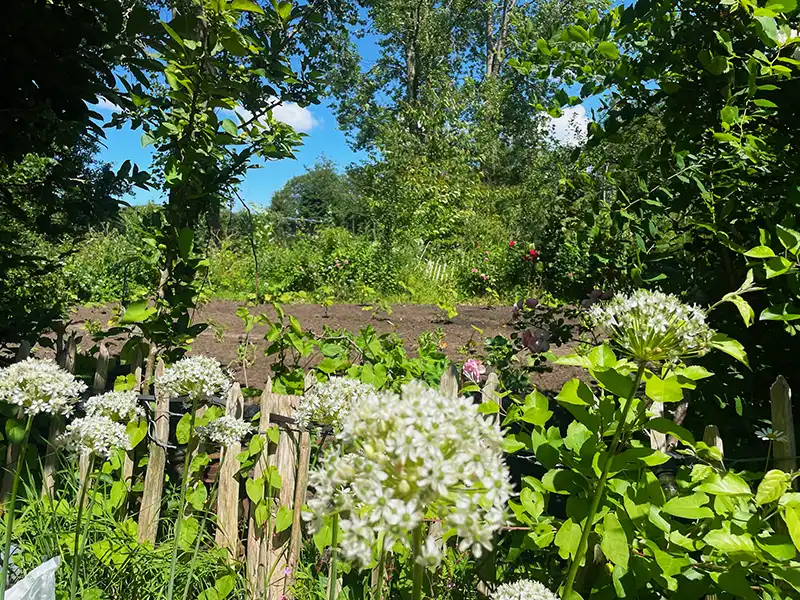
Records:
x=228, y=496
x=300, y=490
x=785, y=451
x=154, y=477
x=257, y=535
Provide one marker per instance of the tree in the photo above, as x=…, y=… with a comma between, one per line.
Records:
x=320, y=196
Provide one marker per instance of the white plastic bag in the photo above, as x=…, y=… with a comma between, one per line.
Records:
x=39, y=584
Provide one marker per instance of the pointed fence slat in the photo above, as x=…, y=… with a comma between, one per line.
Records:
x=785, y=449
x=257, y=535
x=227, y=535
x=154, y=477
x=285, y=459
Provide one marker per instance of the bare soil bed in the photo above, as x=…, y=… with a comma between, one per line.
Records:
x=407, y=320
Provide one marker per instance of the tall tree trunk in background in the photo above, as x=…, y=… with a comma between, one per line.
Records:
x=497, y=35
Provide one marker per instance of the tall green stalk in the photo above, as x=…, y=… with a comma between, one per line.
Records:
x=187, y=461
x=10, y=510
x=332, y=572
x=206, y=510
x=418, y=569
x=601, y=486
x=77, y=549
x=378, y=592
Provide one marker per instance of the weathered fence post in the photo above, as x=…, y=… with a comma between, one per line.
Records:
x=227, y=535
x=257, y=535
x=300, y=488
x=154, y=477
x=785, y=450
x=127, y=463
x=285, y=460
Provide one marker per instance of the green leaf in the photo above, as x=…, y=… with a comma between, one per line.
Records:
x=772, y=487
x=578, y=33
x=602, y=357
x=185, y=242
x=189, y=529
x=576, y=392
x=147, y=139
x=567, y=539
x=729, y=114
x=137, y=312
x=760, y=252
x=782, y=6
x=224, y=586
x=15, y=431
x=768, y=29
x=512, y=445
x=780, y=312
x=182, y=429
x=608, y=49
x=173, y=34
x=615, y=543
x=614, y=381
x=562, y=481
x=734, y=582
x=776, y=266
x=730, y=484
x=714, y=64
x=577, y=435
x=744, y=308
x=669, y=427
x=780, y=547
x=230, y=127
x=791, y=516
x=255, y=489
x=283, y=519
x=729, y=346
x=284, y=11
x=246, y=6
x=740, y=545
x=119, y=491
x=663, y=390
x=689, y=507
x=536, y=410
x=789, y=238
x=197, y=496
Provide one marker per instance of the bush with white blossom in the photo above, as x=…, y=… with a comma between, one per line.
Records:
x=524, y=589
x=653, y=326
x=40, y=386
x=96, y=434
x=196, y=377
x=329, y=402
x=118, y=406
x=224, y=431
x=400, y=458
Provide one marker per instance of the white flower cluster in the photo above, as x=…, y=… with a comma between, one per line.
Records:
x=96, y=434
x=224, y=431
x=39, y=386
x=401, y=458
x=653, y=326
x=524, y=589
x=328, y=403
x=197, y=377
x=118, y=406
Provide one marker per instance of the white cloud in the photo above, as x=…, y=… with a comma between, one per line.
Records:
x=297, y=117
x=105, y=104
x=570, y=128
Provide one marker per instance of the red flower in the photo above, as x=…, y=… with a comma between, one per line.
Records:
x=533, y=253
x=512, y=243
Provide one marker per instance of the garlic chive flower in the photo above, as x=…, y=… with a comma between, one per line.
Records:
x=400, y=458
x=40, y=386
x=224, y=431
x=95, y=434
x=328, y=403
x=197, y=377
x=653, y=326
x=524, y=589
x=118, y=406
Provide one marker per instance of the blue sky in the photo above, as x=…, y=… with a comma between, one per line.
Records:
x=323, y=138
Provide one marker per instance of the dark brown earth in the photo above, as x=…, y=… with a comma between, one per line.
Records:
x=222, y=339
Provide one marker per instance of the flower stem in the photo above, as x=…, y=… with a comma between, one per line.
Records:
x=77, y=548
x=12, y=502
x=378, y=593
x=601, y=486
x=206, y=510
x=187, y=461
x=418, y=570
x=332, y=574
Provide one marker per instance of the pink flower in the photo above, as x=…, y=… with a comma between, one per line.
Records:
x=287, y=571
x=487, y=253
x=533, y=253
x=485, y=259
x=512, y=243
x=474, y=269
x=347, y=262
x=484, y=276
x=473, y=369
x=570, y=275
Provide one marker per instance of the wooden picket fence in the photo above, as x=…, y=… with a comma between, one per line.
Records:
x=271, y=558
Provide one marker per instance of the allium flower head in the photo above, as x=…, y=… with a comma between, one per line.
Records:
x=39, y=386
x=400, y=458
x=328, y=403
x=524, y=589
x=224, y=431
x=653, y=326
x=118, y=406
x=473, y=369
x=197, y=377
x=95, y=434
